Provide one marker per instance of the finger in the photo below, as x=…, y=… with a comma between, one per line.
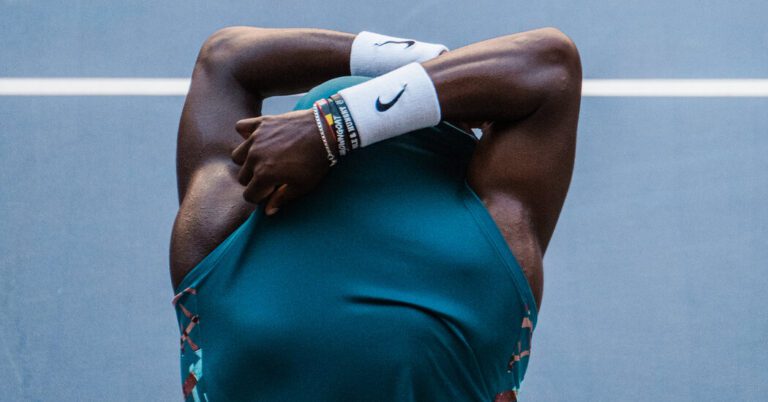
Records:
x=258, y=189
x=283, y=195
x=247, y=171
x=240, y=154
x=275, y=200
x=246, y=127
x=245, y=176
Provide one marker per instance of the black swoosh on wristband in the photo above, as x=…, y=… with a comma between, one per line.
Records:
x=383, y=107
x=408, y=43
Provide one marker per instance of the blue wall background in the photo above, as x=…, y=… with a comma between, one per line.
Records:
x=655, y=278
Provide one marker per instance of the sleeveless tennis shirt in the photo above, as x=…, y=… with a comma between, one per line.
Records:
x=390, y=281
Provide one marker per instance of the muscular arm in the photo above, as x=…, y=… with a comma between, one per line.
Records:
x=527, y=88
x=237, y=68
x=509, y=81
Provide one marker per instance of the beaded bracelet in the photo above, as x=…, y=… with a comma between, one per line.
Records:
x=331, y=157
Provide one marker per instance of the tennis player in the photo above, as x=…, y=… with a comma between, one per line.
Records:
x=367, y=246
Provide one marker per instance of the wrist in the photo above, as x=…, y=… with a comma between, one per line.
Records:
x=395, y=103
x=337, y=124
x=375, y=54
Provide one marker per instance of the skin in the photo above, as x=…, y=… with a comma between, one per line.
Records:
x=522, y=90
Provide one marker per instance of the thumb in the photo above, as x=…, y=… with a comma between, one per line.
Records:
x=284, y=194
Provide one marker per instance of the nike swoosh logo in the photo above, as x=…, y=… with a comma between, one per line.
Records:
x=408, y=43
x=383, y=107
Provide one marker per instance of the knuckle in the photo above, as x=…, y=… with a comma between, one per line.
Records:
x=259, y=176
x=264, y=176
x=269, y=166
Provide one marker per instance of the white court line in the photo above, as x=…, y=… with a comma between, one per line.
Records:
x=94, y=86
x=677, y=88
x=179, y=87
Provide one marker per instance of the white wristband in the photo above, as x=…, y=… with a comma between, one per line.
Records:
x=375, y=54
x=395, y=103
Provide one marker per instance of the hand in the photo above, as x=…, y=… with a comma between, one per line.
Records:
x=282, y=157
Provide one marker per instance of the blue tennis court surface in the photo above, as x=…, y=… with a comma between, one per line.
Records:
x=656, y=276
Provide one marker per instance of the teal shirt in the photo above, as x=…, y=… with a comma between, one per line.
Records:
x=389, y=282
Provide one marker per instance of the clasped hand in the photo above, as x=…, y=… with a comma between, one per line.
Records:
x=282, y=158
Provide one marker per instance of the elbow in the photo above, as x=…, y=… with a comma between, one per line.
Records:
x=557, y=48
x=221, y=49
x=545, y=62
x=558, y=56
x=218, y=48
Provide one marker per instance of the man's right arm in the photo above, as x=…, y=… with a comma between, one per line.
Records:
x=236, y=69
